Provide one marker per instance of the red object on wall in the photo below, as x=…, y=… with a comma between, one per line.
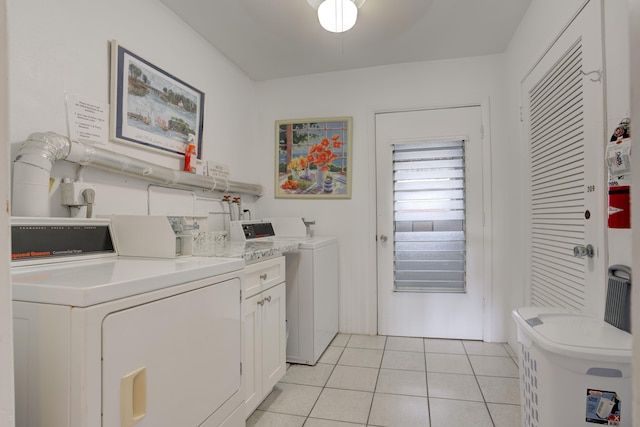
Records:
x=619, y=207
x=619, y=161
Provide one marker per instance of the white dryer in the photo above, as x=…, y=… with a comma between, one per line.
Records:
x=103, y=340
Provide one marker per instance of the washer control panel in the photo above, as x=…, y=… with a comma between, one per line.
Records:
x=251, y=230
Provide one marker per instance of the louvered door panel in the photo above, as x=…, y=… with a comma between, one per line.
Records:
x=557, y=165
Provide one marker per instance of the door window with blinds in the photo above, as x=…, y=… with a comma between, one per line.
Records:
x=429, y=216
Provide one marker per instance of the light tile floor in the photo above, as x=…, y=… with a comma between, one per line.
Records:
x=397, y=382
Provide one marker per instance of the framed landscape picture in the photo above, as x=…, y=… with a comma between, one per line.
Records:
x=152, y=108
x=313, y=158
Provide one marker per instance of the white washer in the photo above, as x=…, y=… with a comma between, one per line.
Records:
x=312, y=299
x=312, y=280
x=117, y=341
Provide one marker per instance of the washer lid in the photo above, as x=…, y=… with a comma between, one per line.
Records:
x=86, y=283
x=570, y=333
x=302, y=242
x=317, y=242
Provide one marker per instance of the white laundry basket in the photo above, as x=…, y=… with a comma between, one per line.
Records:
x=575, y=370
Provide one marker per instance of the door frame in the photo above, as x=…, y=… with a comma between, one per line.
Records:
x=487, y=185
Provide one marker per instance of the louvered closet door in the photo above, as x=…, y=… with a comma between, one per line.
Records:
x=563, y=117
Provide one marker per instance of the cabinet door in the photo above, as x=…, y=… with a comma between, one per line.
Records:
x=274, y=349
x=183, y=352
x=252, y=353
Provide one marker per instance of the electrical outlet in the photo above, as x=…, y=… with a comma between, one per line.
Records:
x=71, y=193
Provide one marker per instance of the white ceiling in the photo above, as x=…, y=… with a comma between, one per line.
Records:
x=271, y=39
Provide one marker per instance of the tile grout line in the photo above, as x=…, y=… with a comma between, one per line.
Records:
x=324, y=386
x=426, y=377
x=376, y=384
x=475, y=376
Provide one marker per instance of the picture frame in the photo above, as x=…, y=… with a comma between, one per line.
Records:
x=313, y=158
x=151, y=108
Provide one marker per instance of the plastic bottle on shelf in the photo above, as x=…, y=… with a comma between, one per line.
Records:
x=189, y=158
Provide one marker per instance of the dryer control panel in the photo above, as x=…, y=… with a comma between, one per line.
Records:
x=48, y=239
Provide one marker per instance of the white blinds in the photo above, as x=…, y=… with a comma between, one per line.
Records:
x=557, y=184
x=429, y=216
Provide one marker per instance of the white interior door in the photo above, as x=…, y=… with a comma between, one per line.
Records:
x=563, y=115
x=430, y=267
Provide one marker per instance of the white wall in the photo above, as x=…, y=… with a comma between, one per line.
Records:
x=361, y=93
x=635, y=196
x=6, y=335
x=59, y=47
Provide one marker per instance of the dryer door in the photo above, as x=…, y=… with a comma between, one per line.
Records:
x=173, y=361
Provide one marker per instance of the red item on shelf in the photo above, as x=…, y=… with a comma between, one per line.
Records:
x=189, y=160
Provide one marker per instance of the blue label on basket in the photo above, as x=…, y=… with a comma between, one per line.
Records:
x=603, y=407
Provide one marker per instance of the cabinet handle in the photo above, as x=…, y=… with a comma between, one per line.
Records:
x=263, y=276
x=261, y=302
x=268, y=298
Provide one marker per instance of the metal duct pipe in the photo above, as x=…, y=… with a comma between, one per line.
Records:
x=38, y=154
x=32, y=171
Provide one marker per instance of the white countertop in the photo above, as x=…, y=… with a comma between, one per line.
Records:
x=249, y=251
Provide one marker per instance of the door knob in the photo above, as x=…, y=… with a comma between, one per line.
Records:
x=581, y=251
x=383, y=238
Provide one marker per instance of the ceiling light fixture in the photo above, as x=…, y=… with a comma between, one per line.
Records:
x=338, y=16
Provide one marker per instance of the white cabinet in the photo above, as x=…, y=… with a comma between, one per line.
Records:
x=264, y=329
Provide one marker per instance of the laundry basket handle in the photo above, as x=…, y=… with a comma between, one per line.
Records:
x=614, y=269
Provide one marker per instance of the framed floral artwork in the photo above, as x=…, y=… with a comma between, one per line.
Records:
x=313, y=158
